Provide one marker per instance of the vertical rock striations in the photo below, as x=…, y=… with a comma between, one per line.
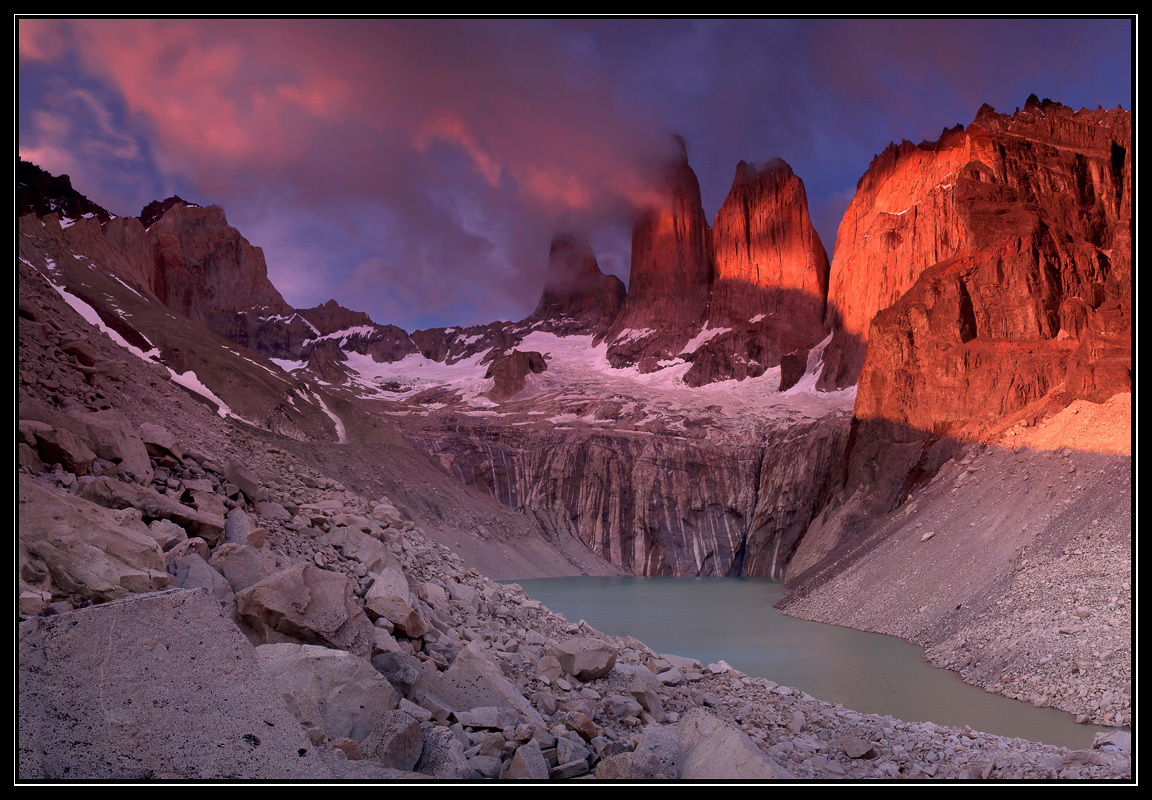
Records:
x=655, y=505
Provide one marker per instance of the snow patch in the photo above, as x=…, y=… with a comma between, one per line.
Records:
x=341, y=434
x=288, y=366
x=91, y=317
x=189, y=381
x=633, y=334
x=703, y=336
x=349, y=333
x=129, y=288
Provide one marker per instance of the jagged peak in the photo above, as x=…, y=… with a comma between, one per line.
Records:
x=749, y=171
x=41, y=193
x=158, y=208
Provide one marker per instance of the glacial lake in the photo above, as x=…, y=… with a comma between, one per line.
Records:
x=733, y=619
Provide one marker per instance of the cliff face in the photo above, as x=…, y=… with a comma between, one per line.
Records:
x=1039, y=297
x=734, y=300
x=1027, y=308
x=765, y=250
x=205, y=269
x=654, y=505
x=1038, y=203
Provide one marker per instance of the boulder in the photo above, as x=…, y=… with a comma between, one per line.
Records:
x=442, y=755
x=57, y=446
x=527, y=763
x=390, y=598
x=309, y=605
x=113, y=438
x=134, y=689
x=193, y=572
x=82, y=546
x=112, y=493
x=332, y=693
x=476, y=680
x=716, y=750
x=244, y=478
x=159, y=441
x=584, y=658
x=241, y=565
x=395, y=741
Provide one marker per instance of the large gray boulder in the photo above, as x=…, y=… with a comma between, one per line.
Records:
x=716, y=750
x=160, y=686
x=475, y=680
x=332, y=693
x=584, y=658
x=308, y=605
x=389, y=597
x=395, y=741
x=442, y=755
x=112, y=437
x=57, y=446
x=81, y=550
x=112, y=493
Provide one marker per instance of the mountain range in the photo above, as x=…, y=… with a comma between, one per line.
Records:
x=904, y=432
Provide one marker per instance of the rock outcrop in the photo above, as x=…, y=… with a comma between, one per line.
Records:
x=670, y=278
x=1026, y=219
x=509, y=372
x=771, y=278
x=734, y=300
x=1010, y=281
x=206, y=270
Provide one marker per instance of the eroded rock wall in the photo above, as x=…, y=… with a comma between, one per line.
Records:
x=655, y=505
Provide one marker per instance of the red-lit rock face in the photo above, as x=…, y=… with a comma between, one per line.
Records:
x=759, y=278
x=768, y=257
x=1007, y=278
x=671, y=277
x=771, y=277
x=204, y=267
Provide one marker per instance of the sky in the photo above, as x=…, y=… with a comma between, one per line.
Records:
x=418, y=169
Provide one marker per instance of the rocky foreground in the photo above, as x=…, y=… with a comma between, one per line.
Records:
x=467, y=678
x=197, y=603
x=370, y=651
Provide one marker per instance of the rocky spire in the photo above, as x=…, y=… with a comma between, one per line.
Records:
x=577, y=297
x=771, y=279
x=671, y=275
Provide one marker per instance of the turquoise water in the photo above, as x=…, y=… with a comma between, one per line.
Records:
x=733, y=619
